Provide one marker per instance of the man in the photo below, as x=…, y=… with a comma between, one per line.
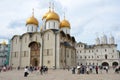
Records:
x=26, y=73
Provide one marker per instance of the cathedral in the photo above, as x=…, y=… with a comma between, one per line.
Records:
x=52, y=46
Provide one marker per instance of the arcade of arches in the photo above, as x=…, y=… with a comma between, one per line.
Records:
x=105, y=64
x=113, y=64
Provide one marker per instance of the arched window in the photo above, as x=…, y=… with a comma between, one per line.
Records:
x=89, y=51
x=36, y=38
x=49, y=25
x=97, y=56
x=81, y=57
x=89, y=56
x=47, y=52
x=80, y=51
x=105, y=50
x=92, y=56
x=105, y=56
x=89, y=63
x=54, y=25
x=113, y=51
x=32, y=28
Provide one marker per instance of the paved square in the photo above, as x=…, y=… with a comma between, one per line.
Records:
x=58, y=75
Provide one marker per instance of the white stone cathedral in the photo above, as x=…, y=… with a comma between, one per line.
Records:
x=52, y=46
x=103, y=52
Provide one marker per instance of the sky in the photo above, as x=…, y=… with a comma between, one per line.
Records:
x=88, y=18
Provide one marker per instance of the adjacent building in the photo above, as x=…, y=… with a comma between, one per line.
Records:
x=103, y=52
x=3, y=54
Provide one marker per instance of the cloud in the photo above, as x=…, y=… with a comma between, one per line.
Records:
x=87, y=17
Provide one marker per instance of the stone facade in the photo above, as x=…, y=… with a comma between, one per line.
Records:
x=3, y=54
x=98, y=54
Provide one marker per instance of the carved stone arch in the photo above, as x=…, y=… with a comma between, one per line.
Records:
x=115, y=63
x=39, y=45
x=105, y=64
x=34, y=53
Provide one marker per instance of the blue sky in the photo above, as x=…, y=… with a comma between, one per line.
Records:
x=88, y=18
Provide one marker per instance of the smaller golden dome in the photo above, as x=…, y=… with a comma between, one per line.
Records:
x=64, y=23
x=32, y=20
x=4, y=43
x=52, y=16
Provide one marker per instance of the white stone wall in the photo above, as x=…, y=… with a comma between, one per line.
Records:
x=25, y=60
x=15, y=52
x=49, y=45
x=19, y=45
x=96, y=54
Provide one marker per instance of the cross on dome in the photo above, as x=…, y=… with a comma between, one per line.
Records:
x=33, y=12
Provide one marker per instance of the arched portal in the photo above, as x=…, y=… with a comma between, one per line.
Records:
x=105, y=64
x=115, y=64
x=34, y=53
x=35, y=62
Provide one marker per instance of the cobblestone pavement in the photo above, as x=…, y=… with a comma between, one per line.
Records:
x=58, y=75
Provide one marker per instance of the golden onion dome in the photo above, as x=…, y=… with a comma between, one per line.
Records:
x=32, y=20
x=52, y=16
x=4, y=43
x=45, y=15
x=64, y=23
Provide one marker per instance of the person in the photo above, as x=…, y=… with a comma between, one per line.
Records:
x=117, y=69
x=41, y=70
x=87, y=70
x=96, y=69
x=73, y=70
x=4, y=68
x=26, y=73
x=106, y=69
x=18, y=68
x=46, y=69
x=31, y=69
x=90, y=68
